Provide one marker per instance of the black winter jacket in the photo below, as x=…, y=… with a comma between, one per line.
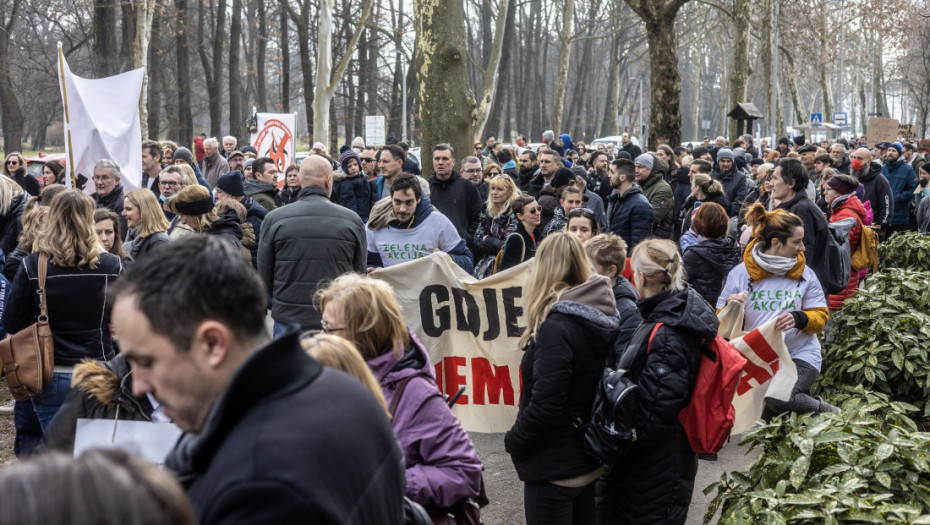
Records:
x=290, y=441
x=492, y=232
x=520, y=246
x=285, y=196
x=735, y=186
x=630, y=216
x=815, y=229
x=458, y=199
x=559, y=371
x=707, y=264
x=227, y=227
x=137, y=246
x=114, y=202
x=681, y=190
x=27, y=182
x=654, y=482
x=878, y=192
x=13, y=261
x=627, y=297
x=355, y=193
x=77, y=311
x=303, y=246
x=688, y=207
x=255, y=214
x=11, y=225
x=100, y=391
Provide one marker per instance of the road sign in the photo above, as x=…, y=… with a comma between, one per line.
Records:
x=816, y=119
x=705, y=124
x=374, y=130
x=840, y=119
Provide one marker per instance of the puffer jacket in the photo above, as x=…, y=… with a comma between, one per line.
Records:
x=845, y=208
x=492, y=232
x=560, y=370
x=137, y=246
x=902, y=179
x=687, y=208
x=286, y=196
x=77, y=310
x=654, y=482
x=11, y=225
x=735, y=186
x=627, y=297
x=708, y=263
x=659, y=194
x=630, y=216
x=440, y=459
x=304, y=245
x=355, y=193
x=228, y=228
x=99, y=391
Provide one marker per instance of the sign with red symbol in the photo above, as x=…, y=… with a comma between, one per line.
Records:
x=275, y=139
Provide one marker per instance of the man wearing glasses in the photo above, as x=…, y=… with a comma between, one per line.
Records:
x=369, y=164
x=108, y=192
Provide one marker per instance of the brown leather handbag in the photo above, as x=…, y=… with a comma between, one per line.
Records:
x=29, y=355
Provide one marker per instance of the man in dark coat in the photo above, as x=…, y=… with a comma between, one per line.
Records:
x=271, y=436
x=629, y=213
x=455, y=197
x=305, y=245
x=789, y=188
x=735, y=185
x=876, y=186
x=108, y=192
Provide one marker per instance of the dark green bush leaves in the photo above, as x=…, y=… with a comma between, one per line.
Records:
x=906, y=250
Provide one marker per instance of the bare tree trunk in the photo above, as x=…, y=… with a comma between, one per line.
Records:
x=447, y=105
x=664, y=79
x=494, y=117
x=261, y=47
x=565, y=37
x=145, y=12
x=155, y=72
x=825, y=88
x=492, y=70
x=610, y=126
x=696, y=100
x=792, y=76
x=284, y=47
x=236, y=117
x=768, y=20
x=740, y=68
x=105, y=49
x=212, y=67
x=185, y=134
x=301, y=20
x=128, y=36
x=12, y=113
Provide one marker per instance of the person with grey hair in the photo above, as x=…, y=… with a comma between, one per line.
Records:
x=214, y=165
x=229, y=146
x=108, y=192
x=455, y=197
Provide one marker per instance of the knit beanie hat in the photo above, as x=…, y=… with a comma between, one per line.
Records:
x=840, y=187
x=645, y=160
x=785, y=141
x=624, y=155
x=346, y=157
x=231, y=183
x=184, y=153
x=898, y=146
x=358, y=142
x=725, y=153
x=799, y=140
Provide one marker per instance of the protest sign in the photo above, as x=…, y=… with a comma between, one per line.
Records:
x=275, y=139
x=882, y=130
x=151, y=441
x=471, y=330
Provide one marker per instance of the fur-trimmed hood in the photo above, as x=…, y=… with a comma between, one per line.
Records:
x=592, y=300
x=102, y=380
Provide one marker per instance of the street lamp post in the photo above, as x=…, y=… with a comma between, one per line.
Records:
x=403, y=76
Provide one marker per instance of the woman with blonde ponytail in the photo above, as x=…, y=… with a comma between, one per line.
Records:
x=653, y=484
x=572, y=323
x=781, y=286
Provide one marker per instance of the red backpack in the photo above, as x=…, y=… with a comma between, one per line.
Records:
x=710, y=415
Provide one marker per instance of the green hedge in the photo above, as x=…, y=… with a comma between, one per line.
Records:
x=905, y=250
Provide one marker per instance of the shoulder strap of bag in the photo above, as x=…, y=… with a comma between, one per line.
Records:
x=43, y=270
x=652, y=336
x=399, y=387
x=627, y=358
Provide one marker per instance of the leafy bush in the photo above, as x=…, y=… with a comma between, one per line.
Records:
x=906, y=250
x=868, y=464
x=881, y=339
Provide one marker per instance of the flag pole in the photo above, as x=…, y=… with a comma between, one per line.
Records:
x=64, y=96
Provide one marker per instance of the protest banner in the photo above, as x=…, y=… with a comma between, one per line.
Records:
x=276, y=140
x=101, y=121
x=471, y=330
x=769, y=370
x=882, y=130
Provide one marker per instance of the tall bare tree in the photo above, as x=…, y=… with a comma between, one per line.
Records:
x=741, y=65
x=145, y=13
x=185, y=134
x=236, y=115
x=213, y=66
x=13, y=119
x=664, y=79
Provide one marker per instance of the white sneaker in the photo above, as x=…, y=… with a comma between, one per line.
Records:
x=7, y=409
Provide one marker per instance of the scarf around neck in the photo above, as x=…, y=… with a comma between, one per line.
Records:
x=773, y=264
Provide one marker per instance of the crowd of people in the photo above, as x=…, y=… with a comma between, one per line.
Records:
x=157, y=300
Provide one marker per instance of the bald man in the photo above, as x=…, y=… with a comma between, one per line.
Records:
x=306, y=244
x=876, y=188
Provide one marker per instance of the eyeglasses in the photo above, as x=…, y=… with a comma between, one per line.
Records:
x=101, y=178
x=169, y=183
x=581, y=212
x=533, y=210
x=329, y=330
x=494, y=174
x=367, y=159
x=12, y=162
x=472, y=171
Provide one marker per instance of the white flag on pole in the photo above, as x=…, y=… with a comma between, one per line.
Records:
x=102, y=122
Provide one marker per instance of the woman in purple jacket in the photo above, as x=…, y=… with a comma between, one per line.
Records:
x=442, y=465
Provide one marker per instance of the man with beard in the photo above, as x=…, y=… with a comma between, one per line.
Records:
x=528, y=169
x=903, y=180
x=877, y=189
x=599, y=163
x=628, y=146
x=839, y=158
x=735, y=185
x=916, y=160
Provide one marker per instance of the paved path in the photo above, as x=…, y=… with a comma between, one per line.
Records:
x=506, y=491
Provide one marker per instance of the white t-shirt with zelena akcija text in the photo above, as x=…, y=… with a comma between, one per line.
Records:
x=396, y=245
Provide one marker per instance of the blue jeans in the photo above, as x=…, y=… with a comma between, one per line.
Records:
x=50, y=400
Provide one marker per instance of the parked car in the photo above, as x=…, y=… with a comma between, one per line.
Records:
x=614, y=141
x=35, y=163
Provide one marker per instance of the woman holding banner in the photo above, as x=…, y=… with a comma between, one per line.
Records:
x=572, y=323
x=781, y=286
x=443, y=469
x=654, y=481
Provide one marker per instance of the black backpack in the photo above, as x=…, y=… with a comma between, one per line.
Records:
x=612, y=429
x=834, y=268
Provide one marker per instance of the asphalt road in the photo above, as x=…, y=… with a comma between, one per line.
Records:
x=506, y=491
